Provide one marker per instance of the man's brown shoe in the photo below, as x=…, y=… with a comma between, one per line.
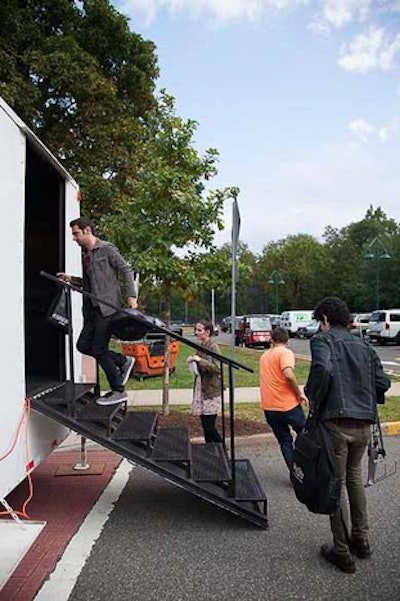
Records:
x=345, y=563
x=360, y=548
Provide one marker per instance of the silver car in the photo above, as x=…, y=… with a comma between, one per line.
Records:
x=359, y=324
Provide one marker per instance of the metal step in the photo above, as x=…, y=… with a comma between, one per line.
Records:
x=209, y=463
x=175, y=472
x=248, y=486
x=64, y=394
x=172, y=444
x=137, y=426
x=100, y=414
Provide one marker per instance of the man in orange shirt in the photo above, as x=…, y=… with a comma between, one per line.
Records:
x=281, y=397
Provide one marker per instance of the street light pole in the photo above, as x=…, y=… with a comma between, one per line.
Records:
x=276, y=279
x=376, y=279
x=376, y=251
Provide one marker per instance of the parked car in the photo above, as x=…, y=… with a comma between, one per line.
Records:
x=308, y=330
x=254, y=331
x=275, y=320
x=177, y=327
x=359, y=324
x=384, y=326
x=226, y=323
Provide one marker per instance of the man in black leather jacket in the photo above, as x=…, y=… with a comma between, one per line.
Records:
x=345, y=378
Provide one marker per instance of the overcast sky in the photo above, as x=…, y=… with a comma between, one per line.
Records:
x=300, y=97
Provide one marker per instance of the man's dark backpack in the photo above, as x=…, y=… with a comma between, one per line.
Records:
x=314, y=474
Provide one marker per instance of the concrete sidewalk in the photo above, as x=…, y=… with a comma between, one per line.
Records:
x=183, y=396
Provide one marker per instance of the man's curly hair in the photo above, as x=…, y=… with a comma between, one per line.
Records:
x=335, y=309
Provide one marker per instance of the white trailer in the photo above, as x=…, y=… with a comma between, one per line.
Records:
x=38, y=198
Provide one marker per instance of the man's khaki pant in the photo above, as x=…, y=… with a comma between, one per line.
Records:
x=349, y=445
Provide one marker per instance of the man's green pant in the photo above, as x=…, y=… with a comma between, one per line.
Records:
x=349, y=445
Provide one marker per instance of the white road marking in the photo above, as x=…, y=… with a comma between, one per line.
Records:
x=390, y=363
x=62, y=580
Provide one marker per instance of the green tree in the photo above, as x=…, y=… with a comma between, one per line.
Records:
x=351, y=275
x=169, y=208
x=301, y=261
x=218, y=267
x=82, y=81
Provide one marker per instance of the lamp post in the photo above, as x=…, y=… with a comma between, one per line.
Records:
x=376, y=251
x=276, y=279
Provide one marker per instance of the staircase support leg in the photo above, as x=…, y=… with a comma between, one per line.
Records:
x=83, y=464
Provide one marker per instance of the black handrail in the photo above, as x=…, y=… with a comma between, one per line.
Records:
x=157, y=328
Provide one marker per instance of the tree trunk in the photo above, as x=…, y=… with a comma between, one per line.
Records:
x=165, y=396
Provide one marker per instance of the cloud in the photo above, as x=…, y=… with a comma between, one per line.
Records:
x=383, y=134
x=336, y=14
x=362, y=129
x=369, y=51
x=366, y=132
x=330, y=185
x=219, y=11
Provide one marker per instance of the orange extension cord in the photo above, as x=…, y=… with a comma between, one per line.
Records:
x=25, y=418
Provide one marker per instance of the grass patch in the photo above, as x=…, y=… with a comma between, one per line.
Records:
x=390, y=411
x=183, y=378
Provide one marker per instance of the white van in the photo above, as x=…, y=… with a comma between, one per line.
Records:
x=292, y=320
x=384, y=326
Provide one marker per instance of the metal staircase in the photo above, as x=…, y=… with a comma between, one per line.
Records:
x=209, y=471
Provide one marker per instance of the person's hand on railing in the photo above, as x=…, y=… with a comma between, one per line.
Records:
x=64, y=276
x=196, y=358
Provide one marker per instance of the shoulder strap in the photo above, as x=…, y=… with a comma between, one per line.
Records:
x=317, y=413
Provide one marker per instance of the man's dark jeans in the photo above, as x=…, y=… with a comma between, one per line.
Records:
x=349, y=445
x=280, y=422
x=94, y=340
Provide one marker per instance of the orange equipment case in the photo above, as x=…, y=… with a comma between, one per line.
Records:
x=149, y=357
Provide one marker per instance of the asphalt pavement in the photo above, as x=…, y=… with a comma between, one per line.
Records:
x=162, y=544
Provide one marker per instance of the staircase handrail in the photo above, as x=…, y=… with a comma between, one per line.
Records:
x=231, y=363
x=155, y=327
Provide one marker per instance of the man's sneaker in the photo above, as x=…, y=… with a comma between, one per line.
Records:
x=112, y=398
x=345, y=563
x=126, y=369
x=360, y=548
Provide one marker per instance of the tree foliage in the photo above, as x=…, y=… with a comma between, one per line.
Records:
x=310, y=269
x=300, y=260
x=352, y=276
x=168, y=207
x=82, y=81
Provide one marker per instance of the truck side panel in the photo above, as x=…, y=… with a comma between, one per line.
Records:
x=12, y=365
x=21, y=450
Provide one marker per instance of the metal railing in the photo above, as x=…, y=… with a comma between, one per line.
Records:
x=230, y=363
